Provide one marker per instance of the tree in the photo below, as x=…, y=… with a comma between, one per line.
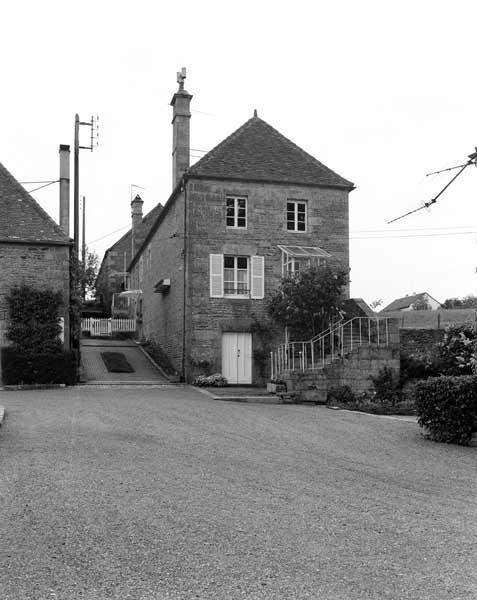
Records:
x=88, y=273
x=308, y=302
x=421, y=304
x=468, y=301
x=376, y=304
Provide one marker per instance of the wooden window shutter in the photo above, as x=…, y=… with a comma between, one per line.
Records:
x=216, y=262
x=257, y=277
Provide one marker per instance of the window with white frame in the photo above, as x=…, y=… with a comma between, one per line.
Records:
x=236, y=211
x=296, y=215
x=236, y=276
x=297, y=258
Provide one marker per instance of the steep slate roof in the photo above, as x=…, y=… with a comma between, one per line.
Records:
x=146, y=224
x=21, y=217
x=125, y=241
x=258, y=152
x=401, y=303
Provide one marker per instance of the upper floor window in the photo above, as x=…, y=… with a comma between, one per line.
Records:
x=236, y=211
x=236, y=276
x=296, y=215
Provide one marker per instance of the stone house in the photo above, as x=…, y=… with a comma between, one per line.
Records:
x=34, y=250
x=111, y=279
x=251, y=210
x=413, y=302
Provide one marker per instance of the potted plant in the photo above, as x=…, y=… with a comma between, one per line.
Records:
x=276, y=385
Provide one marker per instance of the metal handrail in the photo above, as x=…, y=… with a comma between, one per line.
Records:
x=329, y=344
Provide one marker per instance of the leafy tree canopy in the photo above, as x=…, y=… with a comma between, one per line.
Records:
x=34, y=318
x=308, y=302
x=465, y=302
x=88, y=273
x=421, y=304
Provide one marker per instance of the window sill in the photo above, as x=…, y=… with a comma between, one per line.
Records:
x=237, y=296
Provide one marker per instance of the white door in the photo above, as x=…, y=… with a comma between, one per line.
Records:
x=237, y=357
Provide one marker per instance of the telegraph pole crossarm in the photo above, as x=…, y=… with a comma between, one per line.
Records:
x=472, y=161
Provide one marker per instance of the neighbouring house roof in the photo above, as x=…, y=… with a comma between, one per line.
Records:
x=402, y=303
x=358, y=307
x=125, y=241
x=147, y=222
x=22, y=218
x=258, y=152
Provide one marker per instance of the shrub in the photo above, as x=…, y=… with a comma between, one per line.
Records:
x=157, y=353
x=341, y=394
x=215, y=380
x=456, y=352
x=417, y=367
x=24, y=367
x=447, y=408
x=34, y=319
x=387, y=386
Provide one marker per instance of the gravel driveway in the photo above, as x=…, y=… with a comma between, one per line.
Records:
x=163, y=493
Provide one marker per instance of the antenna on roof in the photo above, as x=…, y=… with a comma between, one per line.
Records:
x=181, y=75
x=133, y=185
x=472, y=161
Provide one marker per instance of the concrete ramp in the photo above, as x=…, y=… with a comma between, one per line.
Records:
x=95, y=371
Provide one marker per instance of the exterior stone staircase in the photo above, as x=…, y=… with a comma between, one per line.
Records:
x=346, y=354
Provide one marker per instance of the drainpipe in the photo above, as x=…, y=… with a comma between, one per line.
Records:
x=184, y=320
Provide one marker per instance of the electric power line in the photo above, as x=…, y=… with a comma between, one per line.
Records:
x=472, y=161
x=43, y=186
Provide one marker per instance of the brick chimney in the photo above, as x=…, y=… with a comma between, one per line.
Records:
x=64, y=218
x=136, y=218
x=180, y=130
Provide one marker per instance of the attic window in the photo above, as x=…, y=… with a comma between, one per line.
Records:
x=236, y=214
x=297, y=258
x=296, y=215
x=162, y=286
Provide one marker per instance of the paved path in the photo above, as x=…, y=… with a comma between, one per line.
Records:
x=166, y=494
x=95, y=370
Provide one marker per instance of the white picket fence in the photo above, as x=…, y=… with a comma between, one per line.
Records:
x=106, y=327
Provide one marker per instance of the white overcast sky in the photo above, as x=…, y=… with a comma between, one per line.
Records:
x=381, y=92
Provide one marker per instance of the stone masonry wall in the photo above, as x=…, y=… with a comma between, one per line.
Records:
x=162, y=313
x=266, y=228
x=39, y=266
x=355, y=369
x=421, y=343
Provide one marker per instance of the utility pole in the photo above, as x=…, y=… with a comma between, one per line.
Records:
x=93, y=125
x=76, y=314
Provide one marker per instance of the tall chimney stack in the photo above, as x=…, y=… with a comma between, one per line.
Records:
x=180, y=130
x=136, y=218
x=64, y=220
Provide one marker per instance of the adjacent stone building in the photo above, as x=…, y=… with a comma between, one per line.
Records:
x=33, y=249
x=111, y=279
x=253, y=209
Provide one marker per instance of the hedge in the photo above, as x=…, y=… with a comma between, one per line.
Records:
x=21, y=367
x=447, y=408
